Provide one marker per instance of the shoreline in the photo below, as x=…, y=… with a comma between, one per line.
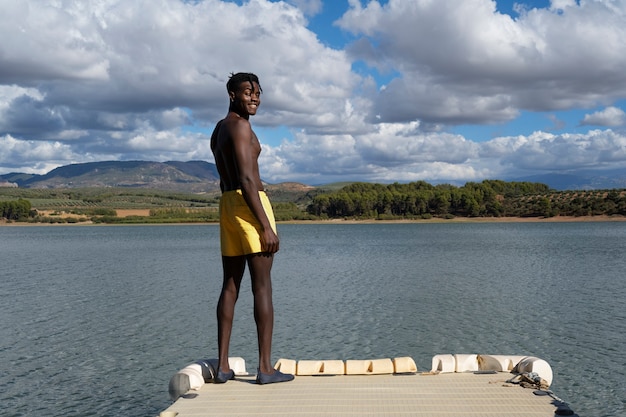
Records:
x=555, y=219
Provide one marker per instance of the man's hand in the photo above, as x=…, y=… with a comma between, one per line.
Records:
x=269, y=241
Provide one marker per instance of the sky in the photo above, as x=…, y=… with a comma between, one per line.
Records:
x=353, y=90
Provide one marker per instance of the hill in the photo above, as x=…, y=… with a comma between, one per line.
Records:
x=202, y=177
x=191, y=176
x=580, y=180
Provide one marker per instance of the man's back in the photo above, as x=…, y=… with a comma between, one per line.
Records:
x=236, y=149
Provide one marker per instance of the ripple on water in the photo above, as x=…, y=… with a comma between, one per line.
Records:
x=101, y=317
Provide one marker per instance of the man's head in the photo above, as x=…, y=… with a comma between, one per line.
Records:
x=244, y=91
x=235, y=81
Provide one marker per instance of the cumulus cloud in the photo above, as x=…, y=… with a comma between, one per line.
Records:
x=126, y=71
x=114, y=79
x=465, y=62
x=308, y=7
x=400, y=153
x=568, y=151
x=610, y=116
x=44, y=156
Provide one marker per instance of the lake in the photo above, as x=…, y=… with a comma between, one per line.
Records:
x=96, y=319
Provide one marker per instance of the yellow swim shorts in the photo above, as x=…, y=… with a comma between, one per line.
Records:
x=239, y=229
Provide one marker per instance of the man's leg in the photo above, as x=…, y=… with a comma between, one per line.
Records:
x=260, y=270
x=234, y=267
x=260, y=265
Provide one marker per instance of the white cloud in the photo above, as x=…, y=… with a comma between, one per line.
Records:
x=610, y=116
x=114, y=79
x=43, y=156
x=402, y=153
x=547, y=152
x=562, y=4
x=130, y=73
x=465, y=62
x=308, y=7
x=168, y=54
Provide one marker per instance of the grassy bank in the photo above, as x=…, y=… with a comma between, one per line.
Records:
x=144, y=206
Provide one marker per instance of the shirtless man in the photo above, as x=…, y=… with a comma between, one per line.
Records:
x=247, y=226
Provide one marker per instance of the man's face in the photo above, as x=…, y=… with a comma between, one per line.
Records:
x=247, y=98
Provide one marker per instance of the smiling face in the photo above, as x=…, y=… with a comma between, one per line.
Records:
x=246, y=99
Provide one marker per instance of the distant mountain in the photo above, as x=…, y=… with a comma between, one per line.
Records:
x=191, y=176
x=580, y=180
x=200, y=176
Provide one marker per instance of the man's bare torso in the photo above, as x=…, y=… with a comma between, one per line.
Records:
x=223, y=143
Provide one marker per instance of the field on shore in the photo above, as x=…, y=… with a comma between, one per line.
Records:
x=122, y=213
x=296, y=205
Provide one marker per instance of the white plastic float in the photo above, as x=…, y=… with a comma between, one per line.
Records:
x=497, y=363
x=194, y=375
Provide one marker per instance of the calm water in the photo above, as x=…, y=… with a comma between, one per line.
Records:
x=95, y=320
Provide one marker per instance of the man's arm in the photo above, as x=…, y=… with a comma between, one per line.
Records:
x=247, y=168
x=218, y=163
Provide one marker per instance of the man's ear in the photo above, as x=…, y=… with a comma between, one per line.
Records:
x=231, y=94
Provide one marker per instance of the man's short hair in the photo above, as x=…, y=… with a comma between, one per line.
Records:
x=237, y=79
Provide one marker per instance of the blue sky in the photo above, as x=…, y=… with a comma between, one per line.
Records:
x=380, y=91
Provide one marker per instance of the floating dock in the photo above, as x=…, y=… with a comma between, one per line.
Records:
x=369, y=389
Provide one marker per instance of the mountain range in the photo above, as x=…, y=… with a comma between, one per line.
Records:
x=191, y=176
x=201, y=176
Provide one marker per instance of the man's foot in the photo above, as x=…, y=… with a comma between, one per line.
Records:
x=277, y=376
x=222, y=377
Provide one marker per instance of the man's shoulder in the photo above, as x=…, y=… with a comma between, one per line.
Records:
x=236, y=121
x=236, y=127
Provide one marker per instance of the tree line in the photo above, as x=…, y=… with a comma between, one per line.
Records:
x=489, y=198
x=17, y=210
x=416, y=200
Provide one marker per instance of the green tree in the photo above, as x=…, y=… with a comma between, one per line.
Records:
x=18, y=210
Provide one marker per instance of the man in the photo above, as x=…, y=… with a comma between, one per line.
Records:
x=247, y=226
